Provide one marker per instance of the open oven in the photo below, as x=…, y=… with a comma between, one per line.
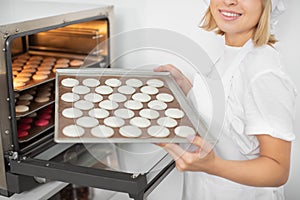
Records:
x=34, y=42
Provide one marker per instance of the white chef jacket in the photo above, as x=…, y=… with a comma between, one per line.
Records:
x=259, y=99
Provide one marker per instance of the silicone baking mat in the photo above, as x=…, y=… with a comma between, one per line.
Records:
x=100, y=105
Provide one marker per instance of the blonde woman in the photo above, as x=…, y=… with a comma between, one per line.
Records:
x=251, y=159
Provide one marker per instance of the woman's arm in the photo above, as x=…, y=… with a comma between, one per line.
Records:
x=270, y=169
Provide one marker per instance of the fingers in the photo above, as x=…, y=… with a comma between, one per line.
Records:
x=190, y=161
x=174, y=150
x=165, y=68
x=160, y=69
x=198, y=145
x=196, y=140
x=178, y=155
x=204, y=146
x=160, y=144
x=184, y=160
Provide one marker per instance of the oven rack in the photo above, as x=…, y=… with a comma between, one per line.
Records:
x=34, y=83
x=34, y=107
x=36, y=131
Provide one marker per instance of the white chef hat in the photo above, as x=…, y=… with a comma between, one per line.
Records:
x=277, y=9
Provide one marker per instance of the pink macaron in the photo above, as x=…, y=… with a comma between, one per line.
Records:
x=45, y=116
x=26, y=120
x=41, y=122
x=22, y=133
x=24, y=127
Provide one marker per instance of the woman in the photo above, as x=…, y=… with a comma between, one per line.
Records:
x=252, y=157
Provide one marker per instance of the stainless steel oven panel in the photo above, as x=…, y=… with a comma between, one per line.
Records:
x=21, y=18
x=3, y=184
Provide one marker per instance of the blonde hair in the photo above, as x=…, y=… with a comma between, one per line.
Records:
x=261, y=34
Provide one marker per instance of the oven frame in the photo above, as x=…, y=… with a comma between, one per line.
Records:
x=17, y=170
x=136, y=185
x=8, y=140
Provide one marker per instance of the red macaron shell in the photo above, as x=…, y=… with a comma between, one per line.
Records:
x=45, y=116
x=41, y=122
x=50, y=106
x=46, y=111
x=24, y=127
x=22, y=133
x=27, y=120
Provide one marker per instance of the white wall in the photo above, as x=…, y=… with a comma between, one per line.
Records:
x=183, y=17
x=288, y=34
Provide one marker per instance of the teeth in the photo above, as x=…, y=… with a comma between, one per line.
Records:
x=230, y=14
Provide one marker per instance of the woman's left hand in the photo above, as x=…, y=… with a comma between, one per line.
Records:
x=270, y=169
x=201, y=159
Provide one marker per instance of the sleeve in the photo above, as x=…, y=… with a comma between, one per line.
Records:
x=270, y=105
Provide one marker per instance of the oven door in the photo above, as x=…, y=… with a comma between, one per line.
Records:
x=117, y=167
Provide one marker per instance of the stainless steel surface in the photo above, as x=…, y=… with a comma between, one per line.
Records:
x=30, y=17
x=5, y=140
x=14, y=11
x=3, y=184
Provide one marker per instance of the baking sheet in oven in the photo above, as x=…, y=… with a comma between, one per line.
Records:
x=42, y=64
x=39, y=102
x=189, y=119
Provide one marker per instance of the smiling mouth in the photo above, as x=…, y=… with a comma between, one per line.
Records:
x=230, y=14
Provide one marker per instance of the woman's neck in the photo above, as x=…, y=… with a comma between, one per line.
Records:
x=237, y=40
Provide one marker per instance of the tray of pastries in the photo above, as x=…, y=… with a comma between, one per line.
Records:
x=97, y=105
x=31, y=70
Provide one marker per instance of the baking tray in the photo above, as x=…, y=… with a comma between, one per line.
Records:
x=33, y=83
x=191, y=118
x=36, y=131
x=34, y=107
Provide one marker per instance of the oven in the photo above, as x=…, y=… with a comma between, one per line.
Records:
x=36, y=38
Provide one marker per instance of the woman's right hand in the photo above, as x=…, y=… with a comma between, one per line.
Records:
x=182, y=81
